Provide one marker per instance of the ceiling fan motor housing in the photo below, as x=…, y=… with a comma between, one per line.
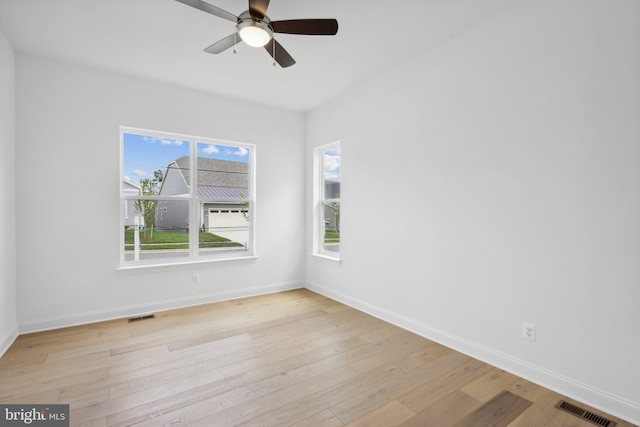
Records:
x=254, y=31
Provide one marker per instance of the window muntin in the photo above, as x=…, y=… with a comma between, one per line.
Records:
x=328, y=193
x=172, y=216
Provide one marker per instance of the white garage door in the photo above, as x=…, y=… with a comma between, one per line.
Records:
x=227, y=218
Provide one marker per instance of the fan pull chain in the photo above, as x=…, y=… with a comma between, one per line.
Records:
x=235, y=42
x=274, y=51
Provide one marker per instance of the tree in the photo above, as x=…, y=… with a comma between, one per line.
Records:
x=336, y=214
x=149, y=187
x=158, y=177
x=245, y=213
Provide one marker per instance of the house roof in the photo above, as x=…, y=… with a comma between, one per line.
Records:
x=130, y=185
x=207, y=192
x=212, y=173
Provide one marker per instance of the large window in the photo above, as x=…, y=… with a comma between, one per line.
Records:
x=327, y=200
x=184, y=198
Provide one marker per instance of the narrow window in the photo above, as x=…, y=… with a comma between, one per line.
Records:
x=327, y=200
x=173, y=188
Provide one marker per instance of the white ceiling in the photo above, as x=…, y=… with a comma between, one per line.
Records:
x=163, y=40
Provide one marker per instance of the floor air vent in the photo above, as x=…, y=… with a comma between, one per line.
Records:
x=136, y=319
x=584, y=414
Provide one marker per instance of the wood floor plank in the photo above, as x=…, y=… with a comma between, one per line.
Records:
x=392, y=414
x=215, y=332
x=381, y=333
x=544, y=413
x=36, y=397
x=30, y=371
x=498, y=412
x=528, y=390
x=373, y=398
x=177, y=401
x=301, y=408
x=325, y=418
x=354, y=356
x=100, y=422
x=446, y=412
x=25, y=388
x=489, y=385
x=243, y=410
x=88, y=399
x=201, y=352
x=63, y=367
x=116, y=404
x=289, y=358
x=430, y=392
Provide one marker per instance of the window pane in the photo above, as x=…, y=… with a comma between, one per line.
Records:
x=223, y=227
x=331, y=212
x=156, y=229
x=148, y=160
x=222, y=185
x=223, y=172
x=331, y=174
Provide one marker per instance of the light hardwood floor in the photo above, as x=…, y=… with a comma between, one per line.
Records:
x=292, y=358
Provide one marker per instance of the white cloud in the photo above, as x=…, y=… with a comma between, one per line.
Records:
x=162, y=141
x=333, y=177
x=167, y=141
x=139, y=172
x=210, y=149
x=241, y=152
x=331, y=163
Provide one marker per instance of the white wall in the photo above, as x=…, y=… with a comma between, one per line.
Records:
x=67, y=163
x=494, y=181
x=8, y=326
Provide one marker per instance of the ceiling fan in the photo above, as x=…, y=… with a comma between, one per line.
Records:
x=256, y=29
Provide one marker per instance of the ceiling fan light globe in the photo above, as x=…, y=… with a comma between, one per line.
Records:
x=255, y=35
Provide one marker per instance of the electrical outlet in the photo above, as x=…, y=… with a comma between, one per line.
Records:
x=529, y=331
x=195, y=278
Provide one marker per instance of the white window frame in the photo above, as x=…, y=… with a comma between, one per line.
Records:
x=194, y=256
x=319, y=200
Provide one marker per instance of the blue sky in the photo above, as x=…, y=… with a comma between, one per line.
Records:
x=145, y=154
x=332, y=165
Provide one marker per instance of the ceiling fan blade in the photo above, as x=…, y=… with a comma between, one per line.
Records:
x=224, y=44
x=258, y=8
x=280, y=55
x=206, y=7
x=312, y=27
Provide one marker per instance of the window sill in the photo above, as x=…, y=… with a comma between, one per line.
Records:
x=328, y=258
x=186, y=262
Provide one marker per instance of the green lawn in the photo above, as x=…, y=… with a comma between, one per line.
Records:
x=331, y=237
x=168, y=240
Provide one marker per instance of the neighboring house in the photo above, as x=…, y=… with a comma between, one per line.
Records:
x=331, y=213
x=130, y=189
x=217, y=179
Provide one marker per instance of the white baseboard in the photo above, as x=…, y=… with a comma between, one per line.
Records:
x=596, y=398
x=7, y=340
x=83, y=318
